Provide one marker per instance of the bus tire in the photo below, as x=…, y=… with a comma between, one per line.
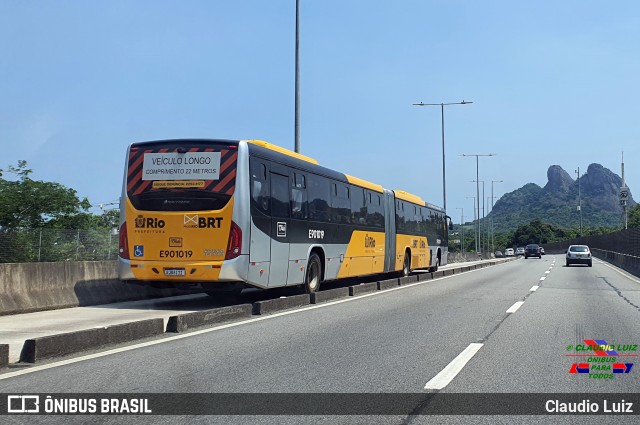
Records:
x=406, y=265
x=435, y=267
x=313, y=275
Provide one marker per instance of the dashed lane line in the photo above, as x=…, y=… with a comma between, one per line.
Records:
x=446, y=375
x=515, y=307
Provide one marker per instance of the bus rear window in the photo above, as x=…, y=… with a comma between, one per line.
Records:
x=181, y=176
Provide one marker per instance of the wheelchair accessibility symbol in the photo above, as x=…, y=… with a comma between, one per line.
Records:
x=138, y=250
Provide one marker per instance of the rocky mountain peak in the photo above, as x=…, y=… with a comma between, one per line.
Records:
x=558, y=179
x=597, y=191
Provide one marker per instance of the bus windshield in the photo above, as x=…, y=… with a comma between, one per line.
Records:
x=182, y=176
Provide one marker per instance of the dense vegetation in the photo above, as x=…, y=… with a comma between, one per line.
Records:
x=533, y=232
x=42, y=220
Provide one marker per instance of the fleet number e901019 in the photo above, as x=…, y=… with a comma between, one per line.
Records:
x=175, y=254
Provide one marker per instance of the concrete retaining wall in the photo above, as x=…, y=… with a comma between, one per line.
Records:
x=28, y=287
x=628, y=263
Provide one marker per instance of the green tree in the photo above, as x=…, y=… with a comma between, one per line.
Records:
x=634, y=216
x=46, y=221
x=27, y=203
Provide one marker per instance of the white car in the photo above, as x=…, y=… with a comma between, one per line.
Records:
x=579, y=254
x=520, y=251
x=509, y=252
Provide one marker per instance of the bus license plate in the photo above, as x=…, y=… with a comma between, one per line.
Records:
x=174, y=272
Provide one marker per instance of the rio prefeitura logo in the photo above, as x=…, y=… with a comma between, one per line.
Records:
x=603, y=360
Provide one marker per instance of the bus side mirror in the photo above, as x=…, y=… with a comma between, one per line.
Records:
x=450, y=222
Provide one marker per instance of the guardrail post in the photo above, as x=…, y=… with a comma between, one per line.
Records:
x=40, y=244
x=77, y=244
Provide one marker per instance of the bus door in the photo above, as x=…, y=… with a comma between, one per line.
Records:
x=390, y=226
x=280, y=231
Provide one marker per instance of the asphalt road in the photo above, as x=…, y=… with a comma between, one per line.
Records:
x=396, y=341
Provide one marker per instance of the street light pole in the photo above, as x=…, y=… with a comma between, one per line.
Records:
x=478, y=189
x=461, y=228
x=579, y=200
x=444, y=178
x=475, y=221
x=487, y=224
x=493, y=247
x=297, y=83
x=481, y=222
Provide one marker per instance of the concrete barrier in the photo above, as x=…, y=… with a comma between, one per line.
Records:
x=47, y=347
x=628, y=263
x=363, y=288
x=329, y=295
x=425, y=276
x=408, y=279
x=388, y=284
x=4, y=355
x=216, y=316
x=29, y=287
x=279, y=304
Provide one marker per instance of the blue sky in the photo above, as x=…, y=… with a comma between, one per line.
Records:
x=552, y=83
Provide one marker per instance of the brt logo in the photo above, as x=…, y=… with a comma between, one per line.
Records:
x=193, y=221
x=149, y=223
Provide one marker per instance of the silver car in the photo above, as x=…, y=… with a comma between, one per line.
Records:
x=579, y=254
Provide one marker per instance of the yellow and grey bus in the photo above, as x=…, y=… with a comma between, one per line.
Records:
x=222, y=215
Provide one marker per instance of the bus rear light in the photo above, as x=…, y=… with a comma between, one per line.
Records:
x=124, y=242
x=234, y=247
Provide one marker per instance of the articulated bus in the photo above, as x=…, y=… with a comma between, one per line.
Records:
x=221, y=215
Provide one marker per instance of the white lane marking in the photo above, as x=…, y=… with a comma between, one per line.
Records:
x=534, y=288
x=542, y=278
x=165, y=339
x=447, y=374
x=547, y=272
x=515, y=307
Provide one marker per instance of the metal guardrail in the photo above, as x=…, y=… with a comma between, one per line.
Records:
x=623, y=241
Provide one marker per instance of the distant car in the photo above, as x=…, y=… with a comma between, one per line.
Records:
x=532, y=250
x=498, y=254
x=520, y=251
x=579, y=254
x=542, y=250
x=509, y=252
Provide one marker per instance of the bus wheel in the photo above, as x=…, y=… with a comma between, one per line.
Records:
x=406, y=266
x=313, y=276
x=435, y=268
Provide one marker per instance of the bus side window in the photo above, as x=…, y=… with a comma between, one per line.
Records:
x=400, y=222
x=340, y=204
x=319, y=198
x=375, y=216
x=279, y=196
x=299, y=196
x=358, y=207
x=379, y=211
x=260, y=186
